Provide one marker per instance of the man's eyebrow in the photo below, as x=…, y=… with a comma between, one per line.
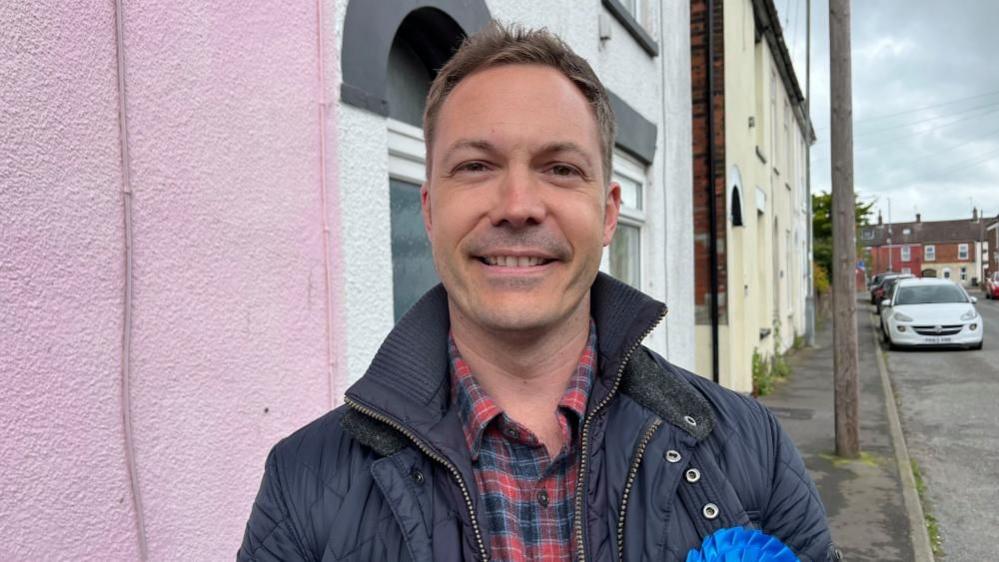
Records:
x=475, y=144
x=566, y=146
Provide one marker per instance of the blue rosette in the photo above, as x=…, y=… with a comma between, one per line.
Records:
x=741, y=545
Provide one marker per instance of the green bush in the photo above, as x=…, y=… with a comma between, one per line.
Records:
x=762, y=383
x=769, y=370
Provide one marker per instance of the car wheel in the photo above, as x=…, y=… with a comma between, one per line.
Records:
x=888, y=343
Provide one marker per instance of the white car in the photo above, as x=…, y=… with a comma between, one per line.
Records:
x=931, y=312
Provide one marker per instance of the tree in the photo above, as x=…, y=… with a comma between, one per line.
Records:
x=822, y=226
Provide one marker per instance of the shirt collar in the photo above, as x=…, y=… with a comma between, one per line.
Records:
x=476, y=409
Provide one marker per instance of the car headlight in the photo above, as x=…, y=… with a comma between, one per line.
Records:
x=901, y=317
x=970, y=315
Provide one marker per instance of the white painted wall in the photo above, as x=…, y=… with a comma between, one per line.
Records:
x=656, y=87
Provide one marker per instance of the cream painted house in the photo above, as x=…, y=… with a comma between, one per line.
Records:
x=750, y=201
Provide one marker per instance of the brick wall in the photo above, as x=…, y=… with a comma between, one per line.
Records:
x=700, y=99
x=948, y=252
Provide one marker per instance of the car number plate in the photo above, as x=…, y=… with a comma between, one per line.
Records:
x=933, y=339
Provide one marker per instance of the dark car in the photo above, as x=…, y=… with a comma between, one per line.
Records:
x=877, y=279
x=991, y=286
x=877, y=288
x=885, y=289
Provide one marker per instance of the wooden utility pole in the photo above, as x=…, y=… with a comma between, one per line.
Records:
x=845, y=353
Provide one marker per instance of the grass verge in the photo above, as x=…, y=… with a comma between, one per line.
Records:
x=932, y=527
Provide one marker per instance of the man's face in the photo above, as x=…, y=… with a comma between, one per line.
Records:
x=515, y=205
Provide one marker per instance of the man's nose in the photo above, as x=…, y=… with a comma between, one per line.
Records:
x=519, y=200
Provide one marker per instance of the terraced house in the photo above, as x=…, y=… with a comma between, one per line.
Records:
x=955, y=249
x=751, y=209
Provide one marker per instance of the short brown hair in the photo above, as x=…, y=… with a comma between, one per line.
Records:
x=498, y=45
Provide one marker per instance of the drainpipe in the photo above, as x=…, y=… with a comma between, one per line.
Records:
x=712, y=203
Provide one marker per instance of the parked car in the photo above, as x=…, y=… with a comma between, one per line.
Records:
x=931, y=312
x=991, y=286
x=877, y=289
x=877, y=279
x=884, y=291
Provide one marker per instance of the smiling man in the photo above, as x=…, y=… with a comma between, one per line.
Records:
x=513, y=413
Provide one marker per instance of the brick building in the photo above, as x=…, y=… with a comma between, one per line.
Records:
x=954, y=249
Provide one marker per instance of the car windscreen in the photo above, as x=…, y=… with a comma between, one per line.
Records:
x=929, y=294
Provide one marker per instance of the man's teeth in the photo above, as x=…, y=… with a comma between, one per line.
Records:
x=514, y=261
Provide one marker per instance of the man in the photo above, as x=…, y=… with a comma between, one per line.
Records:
x=513, y=414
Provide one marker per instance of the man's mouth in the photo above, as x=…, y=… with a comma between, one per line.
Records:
x=515, y=261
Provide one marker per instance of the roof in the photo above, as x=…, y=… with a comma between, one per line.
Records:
x=935, y=232
x=768, y=24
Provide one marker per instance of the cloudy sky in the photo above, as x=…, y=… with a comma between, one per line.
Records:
x=925, y=102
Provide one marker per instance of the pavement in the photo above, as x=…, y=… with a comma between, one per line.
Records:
x=948, y=404
x=869, y=501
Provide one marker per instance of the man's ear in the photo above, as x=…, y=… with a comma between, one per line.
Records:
x=425, y=207
x=612, y=208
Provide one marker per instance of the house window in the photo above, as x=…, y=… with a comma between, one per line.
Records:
x=906, y=271
x=962, y=251
x=930, y=253
x=946, y=273
x=868, y=234
x=625, y=251
x=413, y=270
x=906, y=253
x=964, y=273
x=643, y=12
x=906, y=231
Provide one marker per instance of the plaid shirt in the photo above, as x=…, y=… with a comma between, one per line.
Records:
x=528, y=496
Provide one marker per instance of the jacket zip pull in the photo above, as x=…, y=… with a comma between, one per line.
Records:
x=632, y=474
x=579, y=527
x=426, y=450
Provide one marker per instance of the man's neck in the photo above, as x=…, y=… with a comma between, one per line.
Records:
x=525, y=373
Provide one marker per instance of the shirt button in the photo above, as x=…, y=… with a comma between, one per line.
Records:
x=543, y=498
x=672, y=456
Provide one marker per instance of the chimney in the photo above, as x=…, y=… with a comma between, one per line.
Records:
x=880, y=220
x=919, y=218
x=974, y=214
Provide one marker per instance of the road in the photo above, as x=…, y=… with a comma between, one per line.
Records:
x=949, y=405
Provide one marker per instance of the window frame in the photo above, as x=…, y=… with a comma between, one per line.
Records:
x=906, y=252
x=962, y=251
x=930, y=252
x=627, y=167
x=646, y=38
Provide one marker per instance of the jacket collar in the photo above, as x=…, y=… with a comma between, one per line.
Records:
x=408, y=380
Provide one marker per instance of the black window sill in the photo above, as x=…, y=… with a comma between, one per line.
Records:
x=635, y=29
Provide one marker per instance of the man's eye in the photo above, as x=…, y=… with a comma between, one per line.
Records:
x=471, y=167
x=564, y=170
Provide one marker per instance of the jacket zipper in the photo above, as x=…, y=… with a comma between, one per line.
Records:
x=585, y=439
x=438, y=458
x=632, y=474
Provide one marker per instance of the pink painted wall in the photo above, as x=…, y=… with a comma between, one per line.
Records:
x=230, y=335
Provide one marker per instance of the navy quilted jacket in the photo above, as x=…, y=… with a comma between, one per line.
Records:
x=668, y=459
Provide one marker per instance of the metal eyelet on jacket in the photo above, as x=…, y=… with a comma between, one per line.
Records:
x=690, y=421
x=672, y=456
x=693, y=475
x=710, y=511
x=417, y=476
